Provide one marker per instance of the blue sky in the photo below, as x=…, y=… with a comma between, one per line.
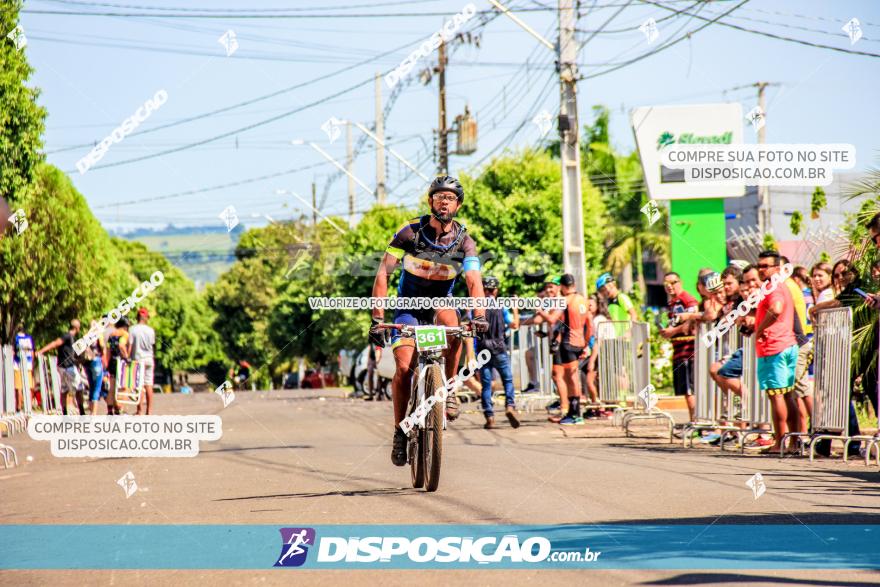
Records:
x=95, y=71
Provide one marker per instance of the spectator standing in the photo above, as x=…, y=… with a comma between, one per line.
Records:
x=681, y=334
x=775, y=343
x=143, y=343
x=727, y=372
x=802, y=277
x=875, y=271
x=119, y=353
x=820, y=292
x=551, y=290
x=544, y=292
x=494, y=340
x=869, y=378
x=842, y=275
x=797, y=401
x=374, y=355
x=23, y=365
x=575, y=334
x=94, y=358
x=620, y=306
x=598, y=310
x=71, y=380
x=820, y=279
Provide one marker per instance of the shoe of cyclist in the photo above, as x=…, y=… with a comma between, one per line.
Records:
x=452, y=407
x=398, y=448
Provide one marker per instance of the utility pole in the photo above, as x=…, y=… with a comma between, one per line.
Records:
x=573, y=255
x=314, y=205
x=763, y=191
x=380, y=147
x=349, y=164
x=574, y=259
x=443, y=166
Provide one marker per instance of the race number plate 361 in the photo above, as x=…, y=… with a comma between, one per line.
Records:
x=430, y=338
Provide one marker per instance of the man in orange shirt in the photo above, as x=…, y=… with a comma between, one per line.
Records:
x=576, y=330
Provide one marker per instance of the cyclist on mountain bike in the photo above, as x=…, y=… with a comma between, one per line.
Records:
x=431, y=249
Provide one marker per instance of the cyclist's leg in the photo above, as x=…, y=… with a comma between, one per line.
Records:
x=405, y=364
x=401, y=385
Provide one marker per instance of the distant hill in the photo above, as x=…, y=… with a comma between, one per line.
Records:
x=201, y=252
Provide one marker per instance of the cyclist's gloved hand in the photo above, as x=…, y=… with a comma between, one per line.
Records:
x=480, y=324
x=377, y=335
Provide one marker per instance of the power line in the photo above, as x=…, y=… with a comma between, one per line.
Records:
x=236, y=131
x=212, y=188
x=794, y=26
x=271, y=16
x=255, y=125
x=665, y=46
x=395, y=94
x=808, y=16
x=252, y=100
x=717, y=20
x=301, y=9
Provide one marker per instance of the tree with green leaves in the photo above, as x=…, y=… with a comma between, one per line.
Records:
x=62, y=267
x=817, y=202
x=863, y=254
x=513, y=210
x=184, y=323
x=21, y=119
x=796, y=220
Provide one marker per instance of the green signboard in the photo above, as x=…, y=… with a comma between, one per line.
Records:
x=697, y=229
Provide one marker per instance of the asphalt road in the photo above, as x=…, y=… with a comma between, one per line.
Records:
x=311, y=458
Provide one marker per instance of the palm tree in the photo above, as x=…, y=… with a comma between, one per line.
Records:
x=628, y=244
x=863, y=253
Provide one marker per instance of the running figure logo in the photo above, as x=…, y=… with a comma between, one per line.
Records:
x=230, y=217
x=128, y=484
x=18, y=39
x=756, y=484
x=294, y=547
x=649, y=29
x=229, y=42
x=853, y=29
x=19, y=221
x=756, y=117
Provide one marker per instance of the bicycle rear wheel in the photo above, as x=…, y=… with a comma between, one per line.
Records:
x=432, y=435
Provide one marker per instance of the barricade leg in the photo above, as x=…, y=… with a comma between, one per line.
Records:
x=7, y=452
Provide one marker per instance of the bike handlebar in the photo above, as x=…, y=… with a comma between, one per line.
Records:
x=408, y=330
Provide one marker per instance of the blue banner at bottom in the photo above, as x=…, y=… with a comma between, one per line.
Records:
x=619, y=546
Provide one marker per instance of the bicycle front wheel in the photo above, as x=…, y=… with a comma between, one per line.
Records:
x=432, y=445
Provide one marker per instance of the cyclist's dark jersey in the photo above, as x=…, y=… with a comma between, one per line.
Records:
x=431, y=265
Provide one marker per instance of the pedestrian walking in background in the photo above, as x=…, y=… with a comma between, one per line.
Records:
x=143, y=342
x=71, y=379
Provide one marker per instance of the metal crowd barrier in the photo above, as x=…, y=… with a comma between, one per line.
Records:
x=714, y=408
x=10, y=419
x=521, y=341
x=615, y=363
x=50, y=384
x=832, y=343
x=755, y=403
x=642, y=409
x=624, y=367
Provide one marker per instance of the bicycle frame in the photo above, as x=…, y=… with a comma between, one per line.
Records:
x=425, y=361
